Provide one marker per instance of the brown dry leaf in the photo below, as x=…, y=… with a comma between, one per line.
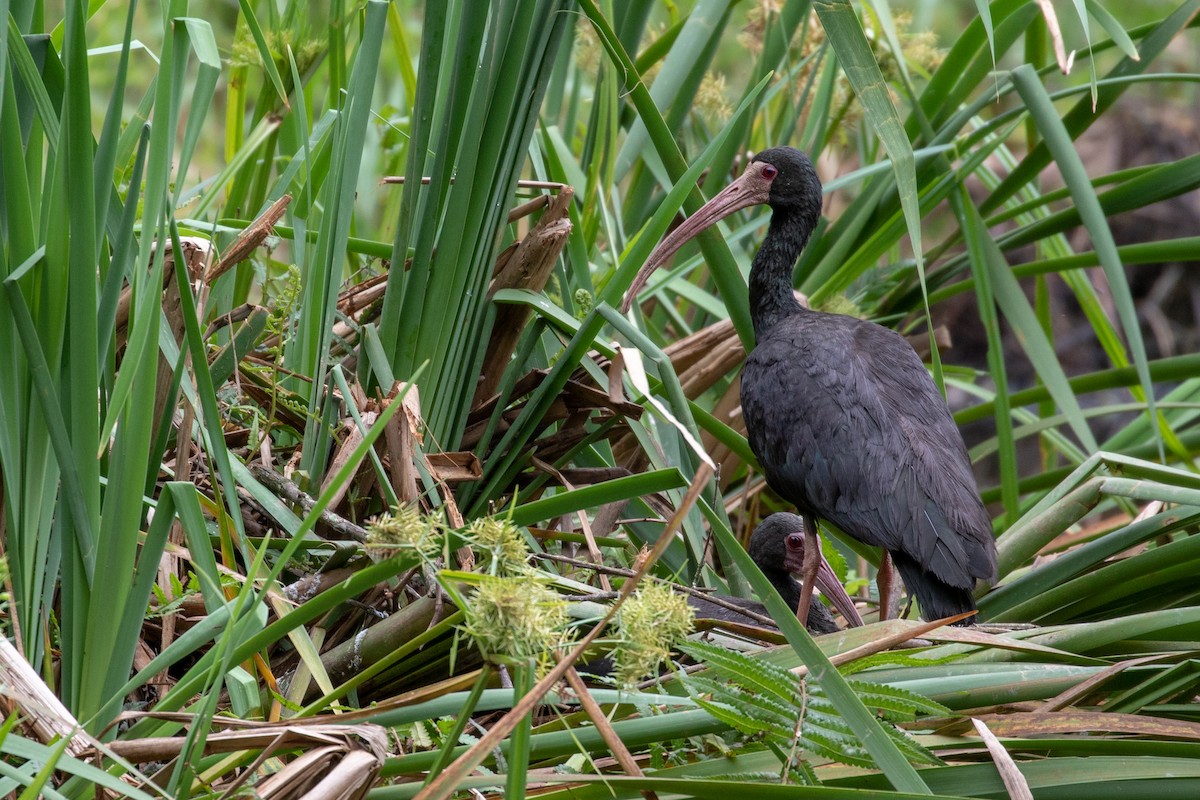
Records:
x=256, y=736
x=345, y=449
x=454, y=468
x=399, y=439
x=1014, y=782
x=1040, y=723
x=24, y=691
x=329, y=773
x=249, y=239
x=527, y=264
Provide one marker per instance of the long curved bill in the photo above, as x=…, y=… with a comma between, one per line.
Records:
x=832, y=588
x=828, y=584
x=750, y=189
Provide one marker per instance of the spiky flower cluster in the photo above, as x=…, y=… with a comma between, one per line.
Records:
x=403, y=529
x=505, y=550
x=711, y=100
x=588, y=51
x=516, y=618
x=653, y=619
x=245, y=52
x=919, y=49
x=759, y=14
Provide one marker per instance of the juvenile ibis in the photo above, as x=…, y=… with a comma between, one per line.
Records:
x=845, y=420
x=777, y=547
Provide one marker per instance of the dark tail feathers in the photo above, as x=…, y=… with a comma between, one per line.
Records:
x=937, y=599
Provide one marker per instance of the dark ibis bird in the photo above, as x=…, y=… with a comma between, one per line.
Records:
x=777, y=547
x=845, y=420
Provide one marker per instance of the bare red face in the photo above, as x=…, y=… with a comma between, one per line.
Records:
x=827, y=582
x=794, y=555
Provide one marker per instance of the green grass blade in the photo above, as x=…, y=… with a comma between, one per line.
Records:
x=848, y=40
x=320, y=292
x=1058, y=140
x=716, y=252
x=1113, y=28
x=983, y=251
x=264, y=50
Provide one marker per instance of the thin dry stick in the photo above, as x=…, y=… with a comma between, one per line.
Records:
x=610, y=737
x=592, y=548
x=626, y=573
x=445, y=784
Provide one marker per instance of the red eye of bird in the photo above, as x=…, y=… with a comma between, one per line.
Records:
x=794, y=541
x=769, y=171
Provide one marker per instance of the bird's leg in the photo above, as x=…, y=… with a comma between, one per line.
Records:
x=808, y=571
x=888, y=590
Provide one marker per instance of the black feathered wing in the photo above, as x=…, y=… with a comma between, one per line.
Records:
x=849, y=426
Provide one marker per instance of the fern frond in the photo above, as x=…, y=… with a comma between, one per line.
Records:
x=765, y=707
x=895, y=699
x=894, y=658
x=735, y=718
x=753, y=673
x=760, y=699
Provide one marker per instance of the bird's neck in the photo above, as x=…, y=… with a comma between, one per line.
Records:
x=787, y=586
x=771, y=296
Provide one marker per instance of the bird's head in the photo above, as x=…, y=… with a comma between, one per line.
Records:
x=777, y=546
x=793, y=182
x=782, y=177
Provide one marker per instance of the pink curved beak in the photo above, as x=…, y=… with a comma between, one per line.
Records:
x=829, y=585
x=750, y=189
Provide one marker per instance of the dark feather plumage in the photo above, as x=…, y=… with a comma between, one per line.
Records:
x=848, y=424
x=843, y=416
x=768, y=546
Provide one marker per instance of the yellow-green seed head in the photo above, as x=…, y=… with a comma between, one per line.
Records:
x=402, y=529
x=502, y=544
x=653, y=619
x=516, y=618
